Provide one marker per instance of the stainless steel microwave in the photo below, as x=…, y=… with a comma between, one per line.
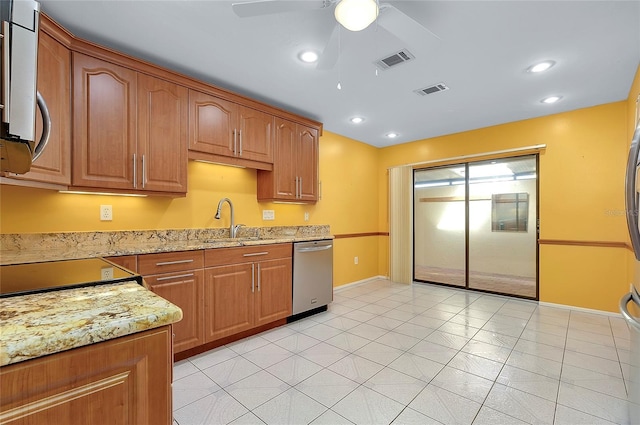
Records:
x=20, y=98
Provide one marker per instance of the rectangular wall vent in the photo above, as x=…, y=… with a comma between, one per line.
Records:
x=435, y=88
x=395, y=59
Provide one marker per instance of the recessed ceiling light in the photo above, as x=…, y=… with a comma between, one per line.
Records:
x=541, y=67
x=357, y=120
x=308, y=56
x=392, y=135
x=551, y=99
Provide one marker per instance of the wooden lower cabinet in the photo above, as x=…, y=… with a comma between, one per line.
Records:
x=229, y=301
x=273, y=297
x=126, y=380
x=254, y=292
x=179, y=278
x=184, y=289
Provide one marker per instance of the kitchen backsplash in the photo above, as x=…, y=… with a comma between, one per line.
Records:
x=88, y=240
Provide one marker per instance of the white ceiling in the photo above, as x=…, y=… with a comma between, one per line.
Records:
x=482, y=54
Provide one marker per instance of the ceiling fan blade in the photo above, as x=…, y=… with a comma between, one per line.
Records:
x=331, y=52
x=402, y=25
x=267, y=7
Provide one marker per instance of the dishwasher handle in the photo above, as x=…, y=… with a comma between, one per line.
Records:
x=315, y=248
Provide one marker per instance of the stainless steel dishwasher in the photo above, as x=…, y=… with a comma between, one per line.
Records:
x=312, y=275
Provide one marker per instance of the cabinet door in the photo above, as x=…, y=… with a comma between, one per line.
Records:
x=284, y=165
x=184, y=289
x=212, y=124
x=228, y=299
x=126, y=380
x=255, y=140
x=104, y=116
x=273, y=291
x=162, y=135
x=307, y=163
x=54, y=84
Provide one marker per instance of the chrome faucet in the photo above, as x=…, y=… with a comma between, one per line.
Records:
x=233, y=229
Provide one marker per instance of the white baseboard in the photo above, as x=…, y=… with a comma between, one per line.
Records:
x=346, y=286
x=582, y=309
x=351, y=285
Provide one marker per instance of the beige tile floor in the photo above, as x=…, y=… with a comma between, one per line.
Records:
x=387, y=353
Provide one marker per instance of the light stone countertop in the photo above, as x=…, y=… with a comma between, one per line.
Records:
x=39, y=324
x=32, y=248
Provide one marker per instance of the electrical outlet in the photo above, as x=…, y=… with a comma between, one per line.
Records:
x=106, y=213
x=355, y=260
x=106, y=273
x=306, y=216
x=268, y=215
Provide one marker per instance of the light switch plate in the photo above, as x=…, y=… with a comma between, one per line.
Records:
x=268, y=215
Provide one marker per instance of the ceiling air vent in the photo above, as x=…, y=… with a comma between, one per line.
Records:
x=435, y=88
x=395, y=59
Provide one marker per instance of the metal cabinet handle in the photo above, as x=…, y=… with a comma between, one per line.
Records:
x=46, y=126
x=296, y=195
x=167, y=263
x=631, y=194
x=255, y=254
x=144, y=172
x=135, y=172
x=300, y=191
x=240, y=137
x=632, y=321
x=6, y=70
x=258, y=277
x=178, y=276
x=253, y=276
x=235, y=142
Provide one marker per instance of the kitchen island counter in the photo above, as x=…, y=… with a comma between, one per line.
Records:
x=40, y=324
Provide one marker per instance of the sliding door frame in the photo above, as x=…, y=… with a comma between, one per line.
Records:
x=467, y=233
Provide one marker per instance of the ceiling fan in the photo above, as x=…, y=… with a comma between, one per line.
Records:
x=364, y=12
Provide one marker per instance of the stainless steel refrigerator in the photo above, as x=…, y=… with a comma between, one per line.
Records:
x=630, y=303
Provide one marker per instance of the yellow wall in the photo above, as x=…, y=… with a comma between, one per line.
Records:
x=349, y=204
x=581, y=195
x=581, y=198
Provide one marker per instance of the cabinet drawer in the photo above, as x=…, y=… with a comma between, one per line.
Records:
x=168, y=262
x=246, y=254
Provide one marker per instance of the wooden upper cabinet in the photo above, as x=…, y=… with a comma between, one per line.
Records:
x=307, y=163
x=295, y=168
x=162, y=135
x=211, y=124
x=255, y=138
x=105, y=127
x=130, y=129
x=54, y=84
x=225, y=129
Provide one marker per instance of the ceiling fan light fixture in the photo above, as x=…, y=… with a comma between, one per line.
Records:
x=356, y=15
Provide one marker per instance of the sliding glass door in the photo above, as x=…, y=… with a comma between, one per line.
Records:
x=475, y=226
x=439, y=228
